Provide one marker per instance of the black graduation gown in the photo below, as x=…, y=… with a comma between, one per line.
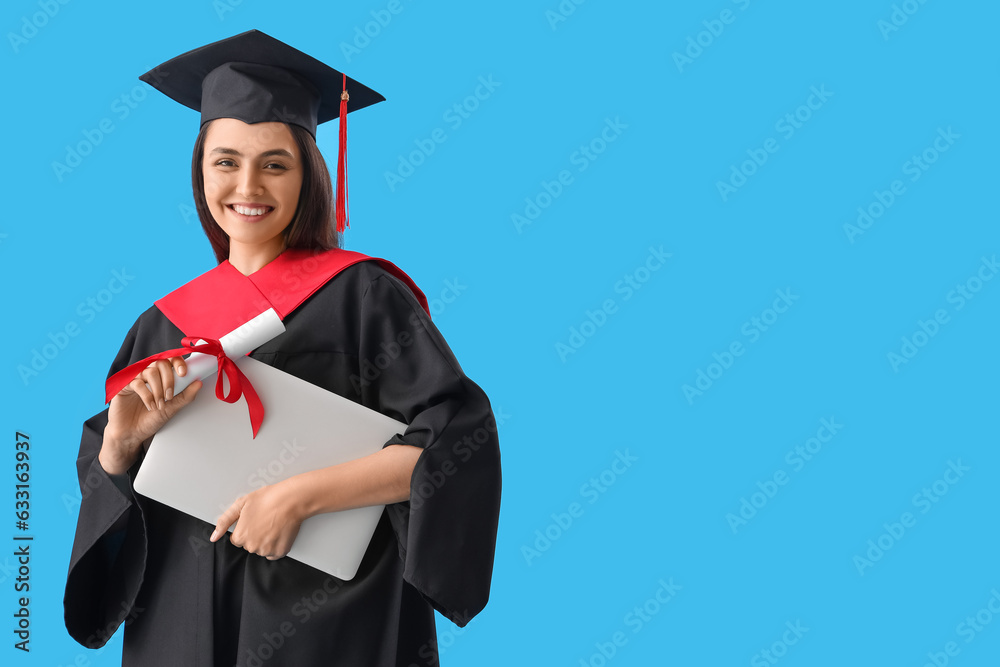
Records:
x=186, y=601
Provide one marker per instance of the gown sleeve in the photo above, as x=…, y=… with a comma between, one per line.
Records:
x=109, y=550
x=447, y=530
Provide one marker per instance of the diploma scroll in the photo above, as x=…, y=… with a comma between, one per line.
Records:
x=237, y=343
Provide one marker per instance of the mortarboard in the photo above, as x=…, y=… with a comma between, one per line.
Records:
x=256, y=78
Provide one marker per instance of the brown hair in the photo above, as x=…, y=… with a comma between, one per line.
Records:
x=312, y=227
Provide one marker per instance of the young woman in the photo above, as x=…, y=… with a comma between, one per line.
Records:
x=356, y=326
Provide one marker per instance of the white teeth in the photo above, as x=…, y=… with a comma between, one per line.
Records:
x=242, y=210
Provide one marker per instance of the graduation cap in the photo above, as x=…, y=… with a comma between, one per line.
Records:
x=256, y=78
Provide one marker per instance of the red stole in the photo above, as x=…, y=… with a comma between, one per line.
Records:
x=223, y=299
x=220, y=300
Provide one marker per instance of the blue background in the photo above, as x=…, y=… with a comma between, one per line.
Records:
x=566, y=586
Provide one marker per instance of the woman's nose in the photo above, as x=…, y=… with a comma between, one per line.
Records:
x=250, y=183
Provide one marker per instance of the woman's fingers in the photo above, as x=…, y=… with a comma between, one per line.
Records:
x=166, y=373
x=139, y=388
x=151, y=376
x=180, y=365
x=182, y=399
x=228, y=518
x=259, y=527
x=158, y=378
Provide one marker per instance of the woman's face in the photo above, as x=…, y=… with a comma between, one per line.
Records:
x=253, y=175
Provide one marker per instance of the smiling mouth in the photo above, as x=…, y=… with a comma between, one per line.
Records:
x=251, y=212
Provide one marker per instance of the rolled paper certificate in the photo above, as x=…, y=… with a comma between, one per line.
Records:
x=237, y=343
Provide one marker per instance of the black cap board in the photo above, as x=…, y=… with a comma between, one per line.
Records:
x=256, y=78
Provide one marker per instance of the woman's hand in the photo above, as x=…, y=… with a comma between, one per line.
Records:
x=140, y=410
x=267, y=521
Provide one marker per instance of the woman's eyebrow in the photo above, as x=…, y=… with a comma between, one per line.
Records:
x=273, y=152
x=280, y=152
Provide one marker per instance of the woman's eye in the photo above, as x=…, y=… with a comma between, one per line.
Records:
x=275, y=165
x=225, y=163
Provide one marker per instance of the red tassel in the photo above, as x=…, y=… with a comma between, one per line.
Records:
x=341, y=207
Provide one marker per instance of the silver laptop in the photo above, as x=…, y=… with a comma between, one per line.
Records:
x=205, y=457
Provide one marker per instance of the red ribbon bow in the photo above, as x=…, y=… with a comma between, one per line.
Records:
x=239, y=384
